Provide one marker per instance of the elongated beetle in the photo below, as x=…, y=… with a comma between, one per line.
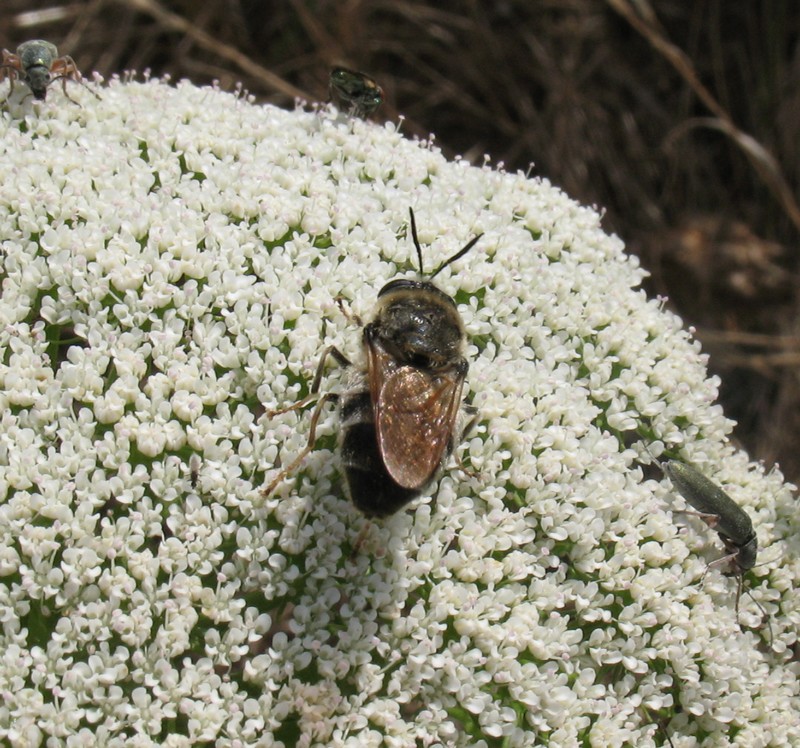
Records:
x=721, y=513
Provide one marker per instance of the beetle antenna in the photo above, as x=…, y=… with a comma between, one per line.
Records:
x=654, y=460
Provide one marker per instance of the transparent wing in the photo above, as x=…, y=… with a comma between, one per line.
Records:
x=415, y=415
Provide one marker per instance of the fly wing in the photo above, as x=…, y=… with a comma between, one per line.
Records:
x=415, y=414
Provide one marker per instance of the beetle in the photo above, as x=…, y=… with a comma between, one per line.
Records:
x=722, y=514
x=719, y=511
x=36, y=63
x=354, y=93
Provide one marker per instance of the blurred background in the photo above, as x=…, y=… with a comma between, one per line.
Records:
x=680, y=121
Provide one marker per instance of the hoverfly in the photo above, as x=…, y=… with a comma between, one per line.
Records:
x=37, y=64
x=401, y=415
x=355, y=94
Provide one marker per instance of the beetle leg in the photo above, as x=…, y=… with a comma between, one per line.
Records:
x=712, y=520
x=10, y=68
x=64, y=69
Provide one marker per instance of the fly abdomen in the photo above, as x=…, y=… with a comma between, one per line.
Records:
x=371, y=488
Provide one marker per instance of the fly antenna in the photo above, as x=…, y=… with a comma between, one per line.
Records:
x=416, y=239
x=457, y=256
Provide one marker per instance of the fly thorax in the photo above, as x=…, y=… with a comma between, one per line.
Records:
x=418, y=324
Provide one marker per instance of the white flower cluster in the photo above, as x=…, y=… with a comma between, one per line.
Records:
x=171, y=260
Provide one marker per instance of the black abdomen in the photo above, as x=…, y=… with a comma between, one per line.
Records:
x=371, y=488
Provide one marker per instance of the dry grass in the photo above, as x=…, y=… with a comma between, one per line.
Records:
x=679, y=119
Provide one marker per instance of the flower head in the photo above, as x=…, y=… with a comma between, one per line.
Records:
x=172, y=257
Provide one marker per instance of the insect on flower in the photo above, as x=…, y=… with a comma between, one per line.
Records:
x=194, y=470
x=37, y=64
x=355, y=94
x=401, y=415
x=721, y=513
